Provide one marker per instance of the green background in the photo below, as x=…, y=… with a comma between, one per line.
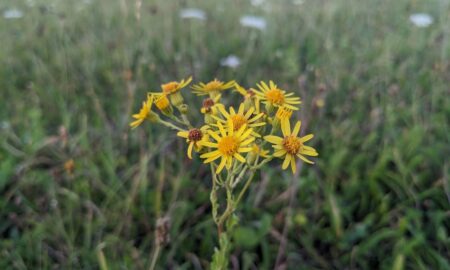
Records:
x=72, y=73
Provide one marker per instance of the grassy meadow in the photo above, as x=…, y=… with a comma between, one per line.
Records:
x=80, y=190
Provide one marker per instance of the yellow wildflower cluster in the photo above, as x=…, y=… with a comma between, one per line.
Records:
x=230, y=138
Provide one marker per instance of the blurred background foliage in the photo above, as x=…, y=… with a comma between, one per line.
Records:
x=78, y=189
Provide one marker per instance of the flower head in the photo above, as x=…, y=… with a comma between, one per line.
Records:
x=195, y=137
x=240, y=118
x=163, y=103
x=272, y=96
x=210, y=109
x=173, y=87
x=212, y=88
x=290, y=146
x=209, y=105
x=144, y=113
x=229, y=145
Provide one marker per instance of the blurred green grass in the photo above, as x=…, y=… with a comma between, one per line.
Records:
x=72, y=73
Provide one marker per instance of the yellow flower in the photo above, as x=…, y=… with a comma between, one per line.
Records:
x=172, y=90
x=144, y=113
x=240, y=118
x=173, y=87
x=291, y=146
x=229, y=144
x=195, y=138
x=163, y=103
x=274, y=97
x=213, y=88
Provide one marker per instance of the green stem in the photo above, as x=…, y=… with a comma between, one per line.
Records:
x=256, y=167
x=178, y=120
x=170, y=125
x=244, y=189
x=230, y=204
x=239, y=178
x=155, y=257
x=186, y=120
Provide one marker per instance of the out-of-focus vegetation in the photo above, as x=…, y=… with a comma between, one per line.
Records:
x=79, y=190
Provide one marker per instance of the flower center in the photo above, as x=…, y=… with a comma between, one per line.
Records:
x=170, y=87
x=207, y=104
x=292, y=145
x=213, y=85
x=275, y=96
x=228, y=145
x=238, y=121
x=195, y=135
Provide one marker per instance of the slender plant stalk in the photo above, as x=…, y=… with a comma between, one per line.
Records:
x=155, y=257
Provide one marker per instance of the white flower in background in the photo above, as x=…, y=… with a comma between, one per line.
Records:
x=4, y=125
x=231, y=61
x=193, y=13
x=12, y=14
x=253, y=22
x=257, y=2
x=298, y=2
x=421, y=19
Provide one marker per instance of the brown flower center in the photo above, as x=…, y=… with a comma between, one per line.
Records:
x=208, y=102
x=195, y=135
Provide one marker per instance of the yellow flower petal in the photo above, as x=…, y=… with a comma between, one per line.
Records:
x=214, y=135
x=239, y=157
x=286, y=127
x=221, y=165
x=306, y=138
x=248, y=141
x=246, y=133
x=304, y=159
x=293, y=165
x=208, y=160
x=210, y=154
x=286, y=161
x=229, y=162
x=296, y=128
x=183, y=134
x=248, y=113
x=189, y=151
x=223, y=111
x=222, y=130
x=273, y=139
x=244, y=149
x=210, y=144
x=279, y=153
